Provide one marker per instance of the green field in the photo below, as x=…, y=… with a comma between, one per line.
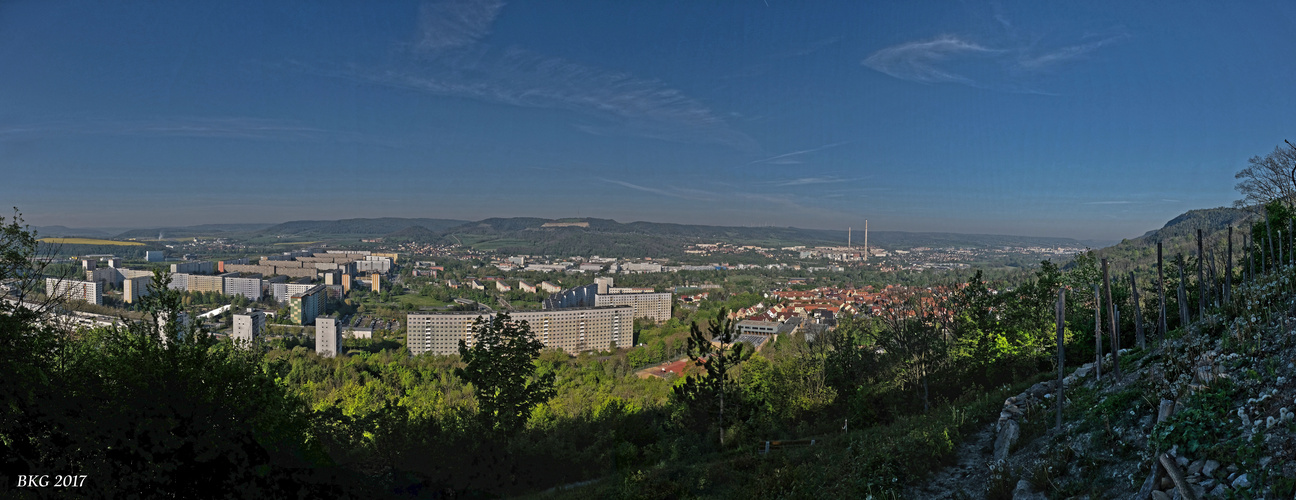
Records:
x=88, y=241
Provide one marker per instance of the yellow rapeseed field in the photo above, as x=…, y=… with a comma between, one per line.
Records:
x=88, y=241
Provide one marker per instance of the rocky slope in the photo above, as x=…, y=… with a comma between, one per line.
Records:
x=1208, y=412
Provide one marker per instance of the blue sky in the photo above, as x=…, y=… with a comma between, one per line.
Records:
x=1091, y=120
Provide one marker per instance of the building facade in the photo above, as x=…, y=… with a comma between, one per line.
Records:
x=247, y=287
x=193, y=268
x=571, y=330
x=305, y=306
x=133, y=289
x=247, y=328
x=327, y=339
x=85, y=291
x=654, y=306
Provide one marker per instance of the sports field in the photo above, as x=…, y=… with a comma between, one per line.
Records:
x=89, y=241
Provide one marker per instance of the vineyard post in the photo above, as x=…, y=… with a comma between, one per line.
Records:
x=1097, y=334
x=1138, y=313
x=1161, y=325
x=1061, y=348
x=1111, y=317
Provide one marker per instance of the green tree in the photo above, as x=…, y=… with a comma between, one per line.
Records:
x=500, y=365
x=718, y=352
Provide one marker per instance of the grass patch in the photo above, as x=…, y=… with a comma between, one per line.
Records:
x=290, y=243
x=420, y=301
x=89, y=241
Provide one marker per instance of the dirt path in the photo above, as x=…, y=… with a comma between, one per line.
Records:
x=966, y=478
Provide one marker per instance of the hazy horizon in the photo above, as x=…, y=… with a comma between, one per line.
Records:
x=1089, y=121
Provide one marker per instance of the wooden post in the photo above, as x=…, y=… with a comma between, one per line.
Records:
x=1183, y=293
x=1061, y=348
x=1111, y=316
x=1268, y=257
x=1138, y=313
x=1161, y=325
x=1228, y=270
x=1097, y=334
x=1201, y=282
x=1250, y=257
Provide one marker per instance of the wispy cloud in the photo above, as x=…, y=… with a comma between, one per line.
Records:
x=214, y=128
x=518, y=77
x=450, y=59
x=1040, y=61
x=455, y=23
x=687, y=194
x=923, y=61
x=1114, y=202
x=960, y=60
x=803, y=181
x=787, y=158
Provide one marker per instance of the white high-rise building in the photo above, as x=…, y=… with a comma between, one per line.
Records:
x=85, y=291
x=327, y=338
x=247, y=287
x=247, y=328
x=572, y=330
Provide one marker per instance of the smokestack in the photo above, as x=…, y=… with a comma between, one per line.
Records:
x=866, y=252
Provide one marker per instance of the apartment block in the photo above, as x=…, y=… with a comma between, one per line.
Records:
x=193, y=268
x=133, y=289
x=200, y=283
x=85, y=291
x=248, y=328
x=283, y=291
x=247, y=287
x=304, y=307
x=654, y=306
x=327, y=339
x=571, y=330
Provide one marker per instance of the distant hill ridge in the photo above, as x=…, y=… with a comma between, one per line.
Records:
x=1179, y=236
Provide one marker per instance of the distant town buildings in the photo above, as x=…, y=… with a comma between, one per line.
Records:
x=645, y=302
x=154, y=256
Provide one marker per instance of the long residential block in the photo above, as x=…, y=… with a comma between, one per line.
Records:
x=571, y=330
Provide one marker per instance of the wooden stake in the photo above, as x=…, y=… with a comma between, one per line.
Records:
x=1061, y=348
x=1228, y=270
x=1111, y=316
x=1250, y=257
x=1138, y=313
x=1183, y=294
x=1269, y=256
x=1097, y=334
x=1201, y=283
x=1161, y=325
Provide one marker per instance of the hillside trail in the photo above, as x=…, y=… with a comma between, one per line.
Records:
x=967, y=477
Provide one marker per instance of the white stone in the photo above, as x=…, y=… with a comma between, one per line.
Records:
x=1209, y=467
x=1242, y=482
